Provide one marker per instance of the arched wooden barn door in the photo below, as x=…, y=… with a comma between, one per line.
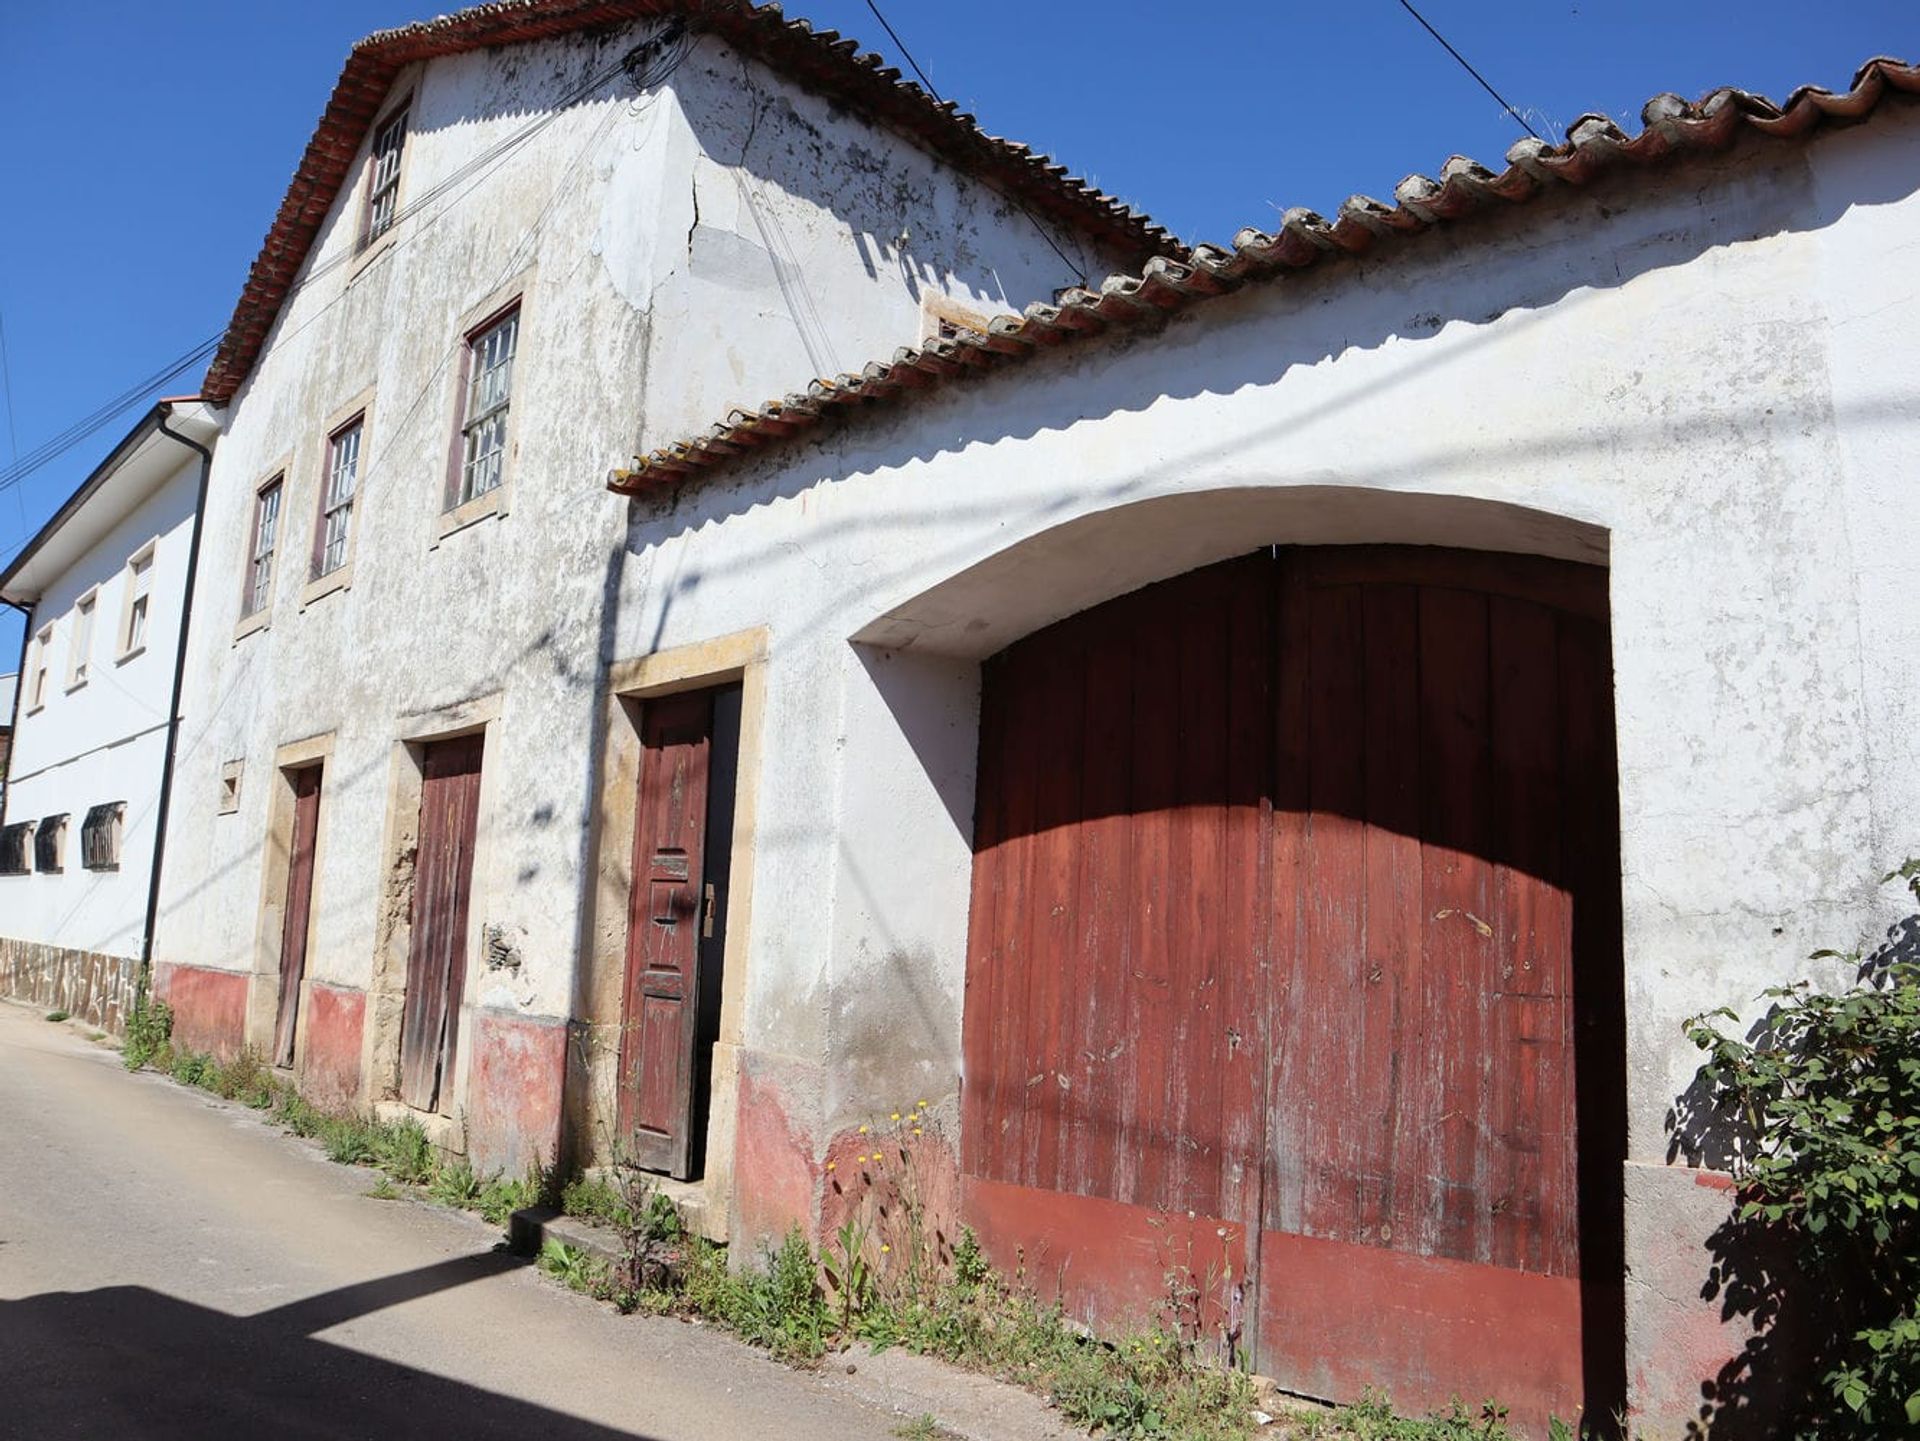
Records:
x=1294, y=969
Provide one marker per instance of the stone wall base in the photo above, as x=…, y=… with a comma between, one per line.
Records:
x=94, y=987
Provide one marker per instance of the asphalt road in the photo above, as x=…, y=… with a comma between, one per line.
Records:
x=172, y=1266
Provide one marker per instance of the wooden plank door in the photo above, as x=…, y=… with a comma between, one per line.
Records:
x=1444, y=719
x=442, y=889
x=294, y=914
x=668, y=909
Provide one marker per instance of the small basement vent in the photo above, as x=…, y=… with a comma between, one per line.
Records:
x=100, y=837
x=13, y=848
x=48, y=842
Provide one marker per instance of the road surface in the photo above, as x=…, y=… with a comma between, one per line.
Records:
x=171, y=1266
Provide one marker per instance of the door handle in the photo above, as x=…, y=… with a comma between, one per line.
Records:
x=706, y=924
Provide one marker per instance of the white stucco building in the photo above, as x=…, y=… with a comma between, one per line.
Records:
x=104, y=588
x=1267, y=747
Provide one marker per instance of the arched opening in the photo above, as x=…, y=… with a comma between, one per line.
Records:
x=1294, y=969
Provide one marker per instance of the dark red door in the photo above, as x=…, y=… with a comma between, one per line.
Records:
x=668, y=909
x=299, y=900
x=442, y=887
x=1294, y=967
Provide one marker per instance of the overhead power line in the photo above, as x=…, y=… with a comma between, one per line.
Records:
x=907, y=55
x=646, y=65
x=1404, y=5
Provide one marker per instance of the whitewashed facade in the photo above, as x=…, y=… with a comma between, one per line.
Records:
x=106, y=582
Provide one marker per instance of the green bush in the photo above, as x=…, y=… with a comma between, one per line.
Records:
x=1827, y=1092
x=402, y=1150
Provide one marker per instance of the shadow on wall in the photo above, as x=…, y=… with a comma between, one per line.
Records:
x=1474, y=275
x=1799, y=1333
x=131, y=1361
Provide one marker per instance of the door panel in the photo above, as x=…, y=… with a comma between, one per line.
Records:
x=294, y=914
x=1282, y=871
x=665, y=919
x=442, y=889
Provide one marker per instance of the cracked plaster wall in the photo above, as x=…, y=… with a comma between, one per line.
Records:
x=663, y=281
x=1703, y=379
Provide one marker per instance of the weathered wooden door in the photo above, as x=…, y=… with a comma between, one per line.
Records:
x=670, y=905
x=1294, y=968
x=437, y=952
x=294, y=914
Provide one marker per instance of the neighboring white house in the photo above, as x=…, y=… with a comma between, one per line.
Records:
x=104, y=582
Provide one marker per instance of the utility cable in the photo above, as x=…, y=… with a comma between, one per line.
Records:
x=646, y=65
x=1404, y=5
x=907, y=55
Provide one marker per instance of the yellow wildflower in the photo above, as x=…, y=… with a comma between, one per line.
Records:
x=884, y=1248
x=830, y=1165
x=863, y=1130
x=895, y=1116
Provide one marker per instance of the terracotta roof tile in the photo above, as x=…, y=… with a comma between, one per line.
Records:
x=821, y=60
x=1672, y=129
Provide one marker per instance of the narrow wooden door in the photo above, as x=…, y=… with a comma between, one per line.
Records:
x=668, y=909
x=442, y=887
x=294, y=915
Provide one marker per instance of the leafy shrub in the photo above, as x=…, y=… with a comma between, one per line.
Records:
x=454, y=1184
x=1827, y=1089
x=57, y=1015
x=402, y=1150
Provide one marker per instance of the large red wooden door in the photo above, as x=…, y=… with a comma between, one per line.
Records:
x=294, y=915
x=442, y=888
x=666, y=916
x=1294, y=965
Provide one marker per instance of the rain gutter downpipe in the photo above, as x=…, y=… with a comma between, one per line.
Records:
x=145, y=980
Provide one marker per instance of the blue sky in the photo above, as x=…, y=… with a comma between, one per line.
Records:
x=145, y=147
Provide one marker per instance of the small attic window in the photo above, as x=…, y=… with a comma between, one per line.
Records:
x=383, y=187
x=13, y=848
x=100, y=837
x=49, y=840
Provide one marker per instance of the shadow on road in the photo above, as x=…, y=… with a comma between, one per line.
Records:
x=127, y=1361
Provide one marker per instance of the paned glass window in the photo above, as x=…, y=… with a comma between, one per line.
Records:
x=483, y=448
x=383, y=196
x=336, y=505
x=139, y=600
x=82, y=641
x=266, y=535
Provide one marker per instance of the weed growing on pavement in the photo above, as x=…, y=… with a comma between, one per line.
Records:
x=57, y=1015
x=921, y=1428
x=382, y=1190
x=149, y=1031
x=454, y=1184
x=572, y=1266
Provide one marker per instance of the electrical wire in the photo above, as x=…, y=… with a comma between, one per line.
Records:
x=1404, y=5
x=1078, y=273
x=646, y=64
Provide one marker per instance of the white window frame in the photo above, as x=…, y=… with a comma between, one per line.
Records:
x=339, y=489
x=385, y=157
x=42, y=671
x=136, y=621
x=487, y=407
x=80, y=648
x=263, y=545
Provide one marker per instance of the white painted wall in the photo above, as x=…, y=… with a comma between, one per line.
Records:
x=106, y=739
x=1705, y=373
x=721, y=240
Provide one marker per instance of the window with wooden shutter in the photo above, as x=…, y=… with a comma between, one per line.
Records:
x=49, y=840
x=13, y=848
x=138, y=610
x=100, y=836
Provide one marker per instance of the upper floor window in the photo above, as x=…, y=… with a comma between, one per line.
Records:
x=100, y=836
x=13, y=848
x=42, y=665
x=336, y=500
x=266, y=536
x=81, y=651
x=49, y=840
x=139, y=605
x=483, y=431
x=383, y=190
